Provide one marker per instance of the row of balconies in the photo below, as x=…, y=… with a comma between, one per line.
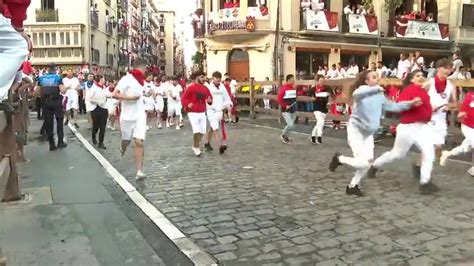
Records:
x=109, y=58
x=333, y=22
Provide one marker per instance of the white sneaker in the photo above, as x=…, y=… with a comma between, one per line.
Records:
x=160, y=126
x=140, y=175
x=148, y=128
x=443, y=158
x=167, y=125
x=471, y=171
x=197, y=151
x=178, y=127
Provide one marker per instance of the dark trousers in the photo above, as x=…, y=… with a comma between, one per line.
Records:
x=38, y=106
x=82, y=105
x=52, y=108
x=99, y=122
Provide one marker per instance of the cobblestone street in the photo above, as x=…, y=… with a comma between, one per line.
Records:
x=264, y=202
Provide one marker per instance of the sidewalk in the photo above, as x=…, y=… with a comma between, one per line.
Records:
x=76, y=216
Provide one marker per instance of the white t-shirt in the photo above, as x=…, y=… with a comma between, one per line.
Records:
x=403, y=68
x=131, y=110
x=382, y=72
x=457, y=64
x=332, y=74
x=352, y=71
x=174, y=91
x=420, y=61
x=321, y=72
x=233, y=86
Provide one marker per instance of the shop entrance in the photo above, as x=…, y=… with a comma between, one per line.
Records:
x=239, y=67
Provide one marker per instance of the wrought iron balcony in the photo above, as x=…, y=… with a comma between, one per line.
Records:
x=95, y=56
x=94, y=19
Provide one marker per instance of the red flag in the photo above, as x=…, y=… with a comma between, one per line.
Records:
x=224, y=134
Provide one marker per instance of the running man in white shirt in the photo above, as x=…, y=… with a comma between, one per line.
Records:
x=129, y=91
x=148, y=91
x=215, y=111
x=72, y=85
x=174, y=102
x=160, y=92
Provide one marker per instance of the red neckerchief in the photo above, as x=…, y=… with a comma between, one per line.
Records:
x=138, y=75
x=440, y=84
x=98, y=85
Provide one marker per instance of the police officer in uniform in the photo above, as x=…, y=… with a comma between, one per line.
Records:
x=51, y=86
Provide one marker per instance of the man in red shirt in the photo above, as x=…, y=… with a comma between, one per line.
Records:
x=194, y=100
x=287, y=101
x=14, y=44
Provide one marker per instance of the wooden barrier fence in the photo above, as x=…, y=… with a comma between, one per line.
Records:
x=251, y=92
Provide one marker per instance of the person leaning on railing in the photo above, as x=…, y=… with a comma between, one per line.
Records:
x=14, y=45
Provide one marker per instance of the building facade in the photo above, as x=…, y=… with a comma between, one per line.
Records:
x=80, y=35
x=269, y=38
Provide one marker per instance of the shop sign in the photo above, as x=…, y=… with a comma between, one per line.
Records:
x=422, y=30
x=321, y=20
x=235, y=25
x=363, y=24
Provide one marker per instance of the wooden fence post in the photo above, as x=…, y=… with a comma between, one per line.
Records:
x=253, y=115
x=10, y=191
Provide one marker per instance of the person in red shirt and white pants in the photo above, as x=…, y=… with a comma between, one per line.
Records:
x=194, y=100
x=413, y=129
x=466, y=116
x=14, y=44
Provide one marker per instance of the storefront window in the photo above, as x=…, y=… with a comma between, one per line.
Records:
x=308, y=63
x=362, y=60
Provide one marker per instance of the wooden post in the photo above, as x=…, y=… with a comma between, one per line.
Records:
x=253, y=115
x=11, y=191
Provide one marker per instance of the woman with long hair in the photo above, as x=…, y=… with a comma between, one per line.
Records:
x=414, y=129
x=368, y=102
x=97, y=97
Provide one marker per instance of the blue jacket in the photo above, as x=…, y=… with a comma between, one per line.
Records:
x=49, y=84
x=369, y=105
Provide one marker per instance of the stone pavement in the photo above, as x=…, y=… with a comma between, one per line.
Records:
x=264, y=202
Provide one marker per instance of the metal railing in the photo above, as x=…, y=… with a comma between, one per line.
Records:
x=109, y=28
x=47, y=15
x=110, y=60
x=94, y=19
x=95, y=56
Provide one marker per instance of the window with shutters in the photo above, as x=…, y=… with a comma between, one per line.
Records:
x=467, y=15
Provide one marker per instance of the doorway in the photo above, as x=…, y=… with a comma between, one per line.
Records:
x=239, y=65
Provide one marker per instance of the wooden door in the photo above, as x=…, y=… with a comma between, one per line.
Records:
x=239, y=68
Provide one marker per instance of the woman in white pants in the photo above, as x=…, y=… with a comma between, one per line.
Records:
x=466, y=115
x=320, y=110
x=414, y=129
x=369, y=104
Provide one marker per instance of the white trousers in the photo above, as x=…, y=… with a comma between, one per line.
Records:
x=467, y=144
x=290, y=122
x=215, y=118
x=417, y=134
x=318, y=128
x=198, y=122
x=266, y=103
x=13, y=51
x=363, y=151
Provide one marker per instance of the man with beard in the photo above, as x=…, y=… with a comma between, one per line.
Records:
x=194, y=100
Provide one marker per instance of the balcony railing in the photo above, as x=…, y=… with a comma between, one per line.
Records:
x=135, y=3
x=95, y=56
x=109, y=28
x=107, y=2
x=162, y=47
x=110, y=59
x=162, y=62
x=162, y=34
x=161, y=20
x=359, y=24
x=319, y=20
x=94, y=19
x=47, y=15
x=419, y=29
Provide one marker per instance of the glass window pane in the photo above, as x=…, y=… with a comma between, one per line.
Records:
x=35, y=38
x=41, y=40
x=53, y=38
x=61, y=36
x=68, y=38
x=47, y=39
x=76, y=38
